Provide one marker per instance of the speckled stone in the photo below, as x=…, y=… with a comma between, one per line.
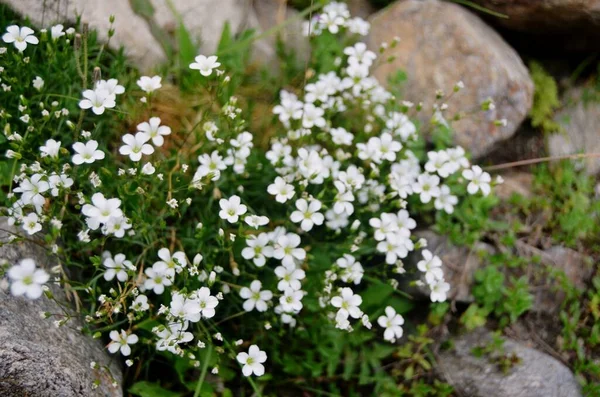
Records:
x=37, y=358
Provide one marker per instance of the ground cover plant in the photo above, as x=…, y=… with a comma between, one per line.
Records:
x=234, y=257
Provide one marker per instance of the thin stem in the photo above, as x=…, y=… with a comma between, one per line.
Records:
x=204, y=370
x=541, y=160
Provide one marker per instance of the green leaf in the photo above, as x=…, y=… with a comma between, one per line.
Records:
x=148, y=389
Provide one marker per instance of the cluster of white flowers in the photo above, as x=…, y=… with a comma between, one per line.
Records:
x=334, y=17
x=356, y=183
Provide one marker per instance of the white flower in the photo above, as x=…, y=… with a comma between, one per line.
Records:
x=121, y=341
x=286, y=249
x=480, y=180
x=231, y=209
x=290, y=277
x=176, y=262
x=101, y=210
x=140, y=303
x=98, y=100
x=427, y=186
x=149, y=84
x=392, y=322
x=360, y=53
x=31, y=191
x=205, y=64
x=31, y=223
x=112, y=86
x=20, y=37
x=307, y=214
x=116, y=226
x=252, y=361
x=291, y=300
x=38, y=83
x=158, y=277
x=117, y=266
x=210, y=165
x=184, y=308
x=255, y=221
x=154, y=130
x=312, y=116
x=446, y=201
x=432, y=267
x=258, y=249
x=340, y=136
x=255, y=298
x=56, y=32
x=135, y=146
x=148, y=169
x=26, y=279
x=396, y=246
x=206, y=301
x=347, y=303
x=51, y=148
x=282, y=190
x=352, y=270
x=439, y=291
x=86, y=152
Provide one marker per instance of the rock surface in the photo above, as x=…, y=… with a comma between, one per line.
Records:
x=204, y=19
x=37, y=358
x=131, y=31
x=270, y=13
x=546, y=15
x=537, y=374
x=458, y=263
x=579, y=120
x=141, y=30
x=443, y=43
x=514, y=183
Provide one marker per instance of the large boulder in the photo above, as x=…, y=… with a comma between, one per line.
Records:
x=143, y=28
x=460, y=263
x=443, y=43
x=569, y=25
x=38, y=358
x=580, y=134
x=131, y=30
x=203, y=19
x=534, y=374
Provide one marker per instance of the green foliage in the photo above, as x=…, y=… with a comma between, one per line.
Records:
x=545, y=99
x=149, y=389
x=580, y=319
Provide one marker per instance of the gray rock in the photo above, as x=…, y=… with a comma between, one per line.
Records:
x=270, y=13
x=203, y=19
x=571, y=25
x=536, y=375
x=442, y=43
x=461, y=263
x=37, y=358
x=579, y=120
x=131, y=31
x=458, y=263
x=515, y=182
x=547, y=292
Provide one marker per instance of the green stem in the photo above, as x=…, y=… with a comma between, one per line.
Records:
x=204, y=370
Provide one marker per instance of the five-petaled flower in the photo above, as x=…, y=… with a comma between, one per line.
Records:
x=97, y=100
x=19, y=37
x=231, y=209
x=205, y=64
x=121, y=341
x=252, y=361
x=26, y=279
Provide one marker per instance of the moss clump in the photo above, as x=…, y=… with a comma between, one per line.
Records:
x=545, y=99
